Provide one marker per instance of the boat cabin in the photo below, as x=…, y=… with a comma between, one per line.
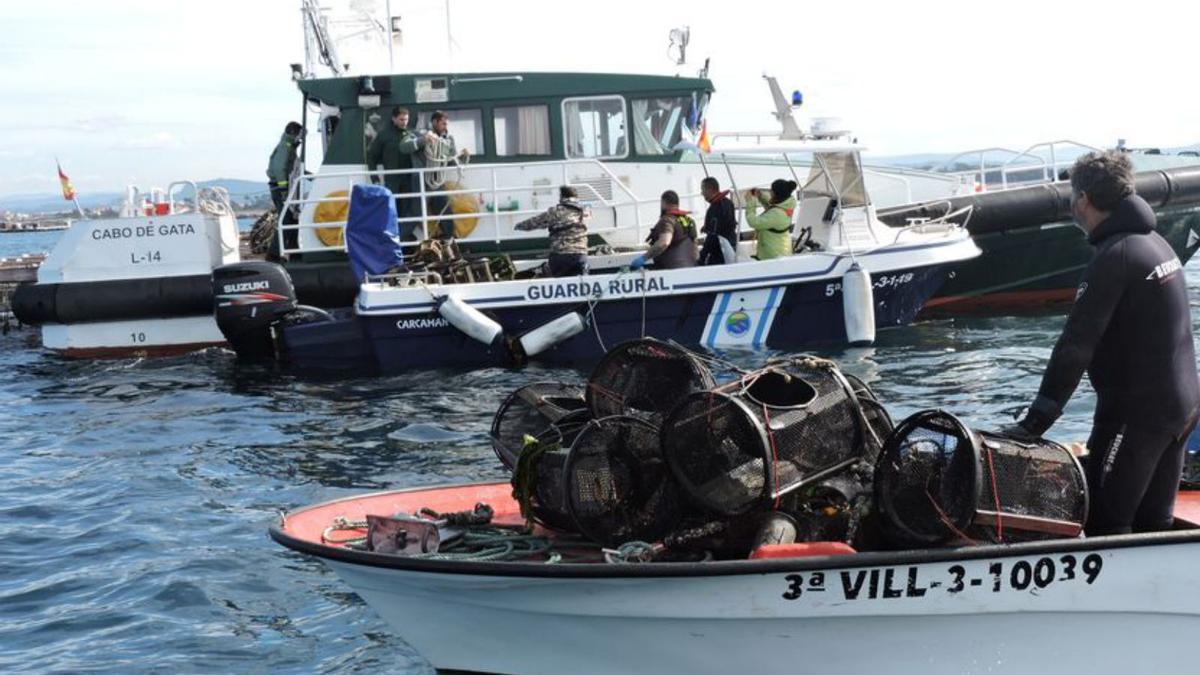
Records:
x=613, y=136
x=621, y=140
x=517, y=117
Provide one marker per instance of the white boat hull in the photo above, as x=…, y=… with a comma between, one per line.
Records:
x=1139, y=613
x=150, y=336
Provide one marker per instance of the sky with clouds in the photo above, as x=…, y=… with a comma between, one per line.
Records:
x=143, y=91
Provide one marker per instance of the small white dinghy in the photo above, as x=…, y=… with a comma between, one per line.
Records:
x=1120, y=604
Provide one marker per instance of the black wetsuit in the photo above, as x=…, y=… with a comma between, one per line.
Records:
x=1131, y=329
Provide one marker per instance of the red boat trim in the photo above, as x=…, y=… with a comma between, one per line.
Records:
x=278, y=532
x=135, y=352
x=993, y=301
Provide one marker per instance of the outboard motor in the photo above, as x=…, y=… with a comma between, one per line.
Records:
x=248, y=299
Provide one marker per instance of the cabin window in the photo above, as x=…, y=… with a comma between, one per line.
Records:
x=658, y=123
x=595, y=127
x=466, y=126
x=522, y=130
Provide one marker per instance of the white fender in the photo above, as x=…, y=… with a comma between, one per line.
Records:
x=549, y=334
x=858, y=304
x=728, y=252
x=469, y=320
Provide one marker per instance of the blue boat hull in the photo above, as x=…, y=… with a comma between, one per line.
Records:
x=785, y=318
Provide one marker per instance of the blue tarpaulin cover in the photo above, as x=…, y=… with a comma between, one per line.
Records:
x=372, y=238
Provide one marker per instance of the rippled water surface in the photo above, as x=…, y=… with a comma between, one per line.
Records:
x=135, y=495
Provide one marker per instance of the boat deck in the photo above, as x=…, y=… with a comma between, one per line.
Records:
x=1187, y=507
x=310, y=524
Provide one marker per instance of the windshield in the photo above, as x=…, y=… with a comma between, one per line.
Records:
x=595, y=127
x=836, y=175
x=658, y=124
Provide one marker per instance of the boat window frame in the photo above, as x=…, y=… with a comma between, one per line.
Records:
x=484, y=118
x=548, y=105
x=566, y=126
x=670, y=152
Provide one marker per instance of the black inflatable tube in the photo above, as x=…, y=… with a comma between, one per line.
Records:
x=327, y=285
x=119, y=300
x=1049, y=203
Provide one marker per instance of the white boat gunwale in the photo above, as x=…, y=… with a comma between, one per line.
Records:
x=867, y=559
x=377, y=298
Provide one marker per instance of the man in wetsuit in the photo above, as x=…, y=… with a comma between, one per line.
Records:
x=1131, y=330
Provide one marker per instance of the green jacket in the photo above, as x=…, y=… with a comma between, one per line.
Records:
x=774, y=226
x=283, y=158
x=393, y=149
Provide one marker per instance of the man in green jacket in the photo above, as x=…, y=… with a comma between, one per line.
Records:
x=774, y=224
x=391, y=150
x=283, y=159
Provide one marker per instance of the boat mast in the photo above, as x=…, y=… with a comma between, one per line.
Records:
x=319, y=47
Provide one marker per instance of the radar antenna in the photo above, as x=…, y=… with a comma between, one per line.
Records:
x=679, y=43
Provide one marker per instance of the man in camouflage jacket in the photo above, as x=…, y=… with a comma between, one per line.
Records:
x=567, y=223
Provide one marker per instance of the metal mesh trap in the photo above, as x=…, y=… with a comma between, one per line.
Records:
x=938, y=481
x=748, y=443
x=548, y=411
x=645, y=378
x=618, y=487
x=879, y=422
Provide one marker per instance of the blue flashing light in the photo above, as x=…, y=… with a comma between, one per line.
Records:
x=797, y=98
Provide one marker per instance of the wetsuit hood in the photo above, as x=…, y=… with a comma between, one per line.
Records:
x=1132, y=215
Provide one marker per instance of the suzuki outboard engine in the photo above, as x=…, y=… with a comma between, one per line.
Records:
x=248, y=299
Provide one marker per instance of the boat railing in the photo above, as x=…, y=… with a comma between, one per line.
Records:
x=173, y=187
x=1036, y=164
x=405, y=278
x=758, y=137
x=947, y=223
x=301, y=196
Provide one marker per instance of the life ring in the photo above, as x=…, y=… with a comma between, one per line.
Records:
x=333, y=208
x=459, y=205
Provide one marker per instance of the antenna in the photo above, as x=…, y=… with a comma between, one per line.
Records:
x=318, y=46
x=679, y=42
x=450, y=43
x=393, y=27
x=783, y=111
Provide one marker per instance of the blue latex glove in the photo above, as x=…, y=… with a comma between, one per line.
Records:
x=637, y=263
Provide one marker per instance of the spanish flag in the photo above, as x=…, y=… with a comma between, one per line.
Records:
x=68, y=190
x=704, y=144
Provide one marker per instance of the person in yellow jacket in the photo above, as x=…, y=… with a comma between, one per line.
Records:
x=774, y=225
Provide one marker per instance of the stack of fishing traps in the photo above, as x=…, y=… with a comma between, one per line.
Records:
x=652, y=450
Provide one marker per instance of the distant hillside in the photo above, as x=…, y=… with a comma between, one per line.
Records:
x=995, y=159
x=241, y=192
